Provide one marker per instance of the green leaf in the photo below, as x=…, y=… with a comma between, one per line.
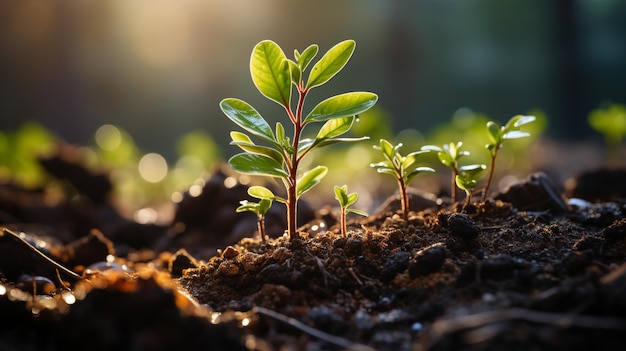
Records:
x=280, y=133
x=352, y=198
x=494, y=132
x=344, y=105
x=257, y=164
x=359, y=212
x=248, y=206
x=333, y=128
x=341, y=196
x=246, y=144
x=332, y=141
x=309, y=179
x=429, y=148
x=264, y=206
x=331, y=63
x=247, y=118
x=296, y=72
x=260, y=192
x=388, y=149
x=464, y=183
x=520, y=120
x=307, y=55
x=515, y=134
x=270, y=72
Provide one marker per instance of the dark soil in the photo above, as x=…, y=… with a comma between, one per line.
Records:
x=530, y=269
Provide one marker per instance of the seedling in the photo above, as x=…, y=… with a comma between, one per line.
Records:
x=449, y=156
x=467, y=180
x=276, y=77
x=497, y=135
x=402, y=168
x=345, y=200
x=266, y=197
x=611, y=123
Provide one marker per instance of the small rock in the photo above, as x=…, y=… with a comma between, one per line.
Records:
x=395, y=264
x=535, y=193
x=463, y=226
x=499, y=267
x=230, y=252
x=427, y=260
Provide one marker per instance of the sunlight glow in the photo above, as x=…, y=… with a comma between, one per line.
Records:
x=153, y=167
x=108, y=137
x=160, y=32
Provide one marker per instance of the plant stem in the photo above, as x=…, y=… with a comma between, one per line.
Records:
x=468, y=198
x=404, y=198
x=453, y=184
x=261, y=227
x=344, y=226
x=491, y=171
x=292, y=195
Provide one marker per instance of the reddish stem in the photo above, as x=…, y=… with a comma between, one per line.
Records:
x=491, y=171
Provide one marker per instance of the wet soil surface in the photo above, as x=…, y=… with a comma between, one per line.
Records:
x=528, y=269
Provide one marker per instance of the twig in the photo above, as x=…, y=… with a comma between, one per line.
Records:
x=42, y=255
x=335, y=340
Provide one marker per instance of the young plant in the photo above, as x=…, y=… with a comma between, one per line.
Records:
x=266, y=197
x=497, y=135
x=611, y=123
x=467, y=180
x=345, y=200
x=449, y=155
x=402, y=168
x=276, y=77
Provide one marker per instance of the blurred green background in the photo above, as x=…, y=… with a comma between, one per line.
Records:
x=159, y=68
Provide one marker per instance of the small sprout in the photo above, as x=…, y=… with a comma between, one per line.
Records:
x=467, y=179
x=345, y=200
x=497, y=135
x=403, y=168
x=266, y=197
x=449, y=155
x=611, y=123
x=282, y=80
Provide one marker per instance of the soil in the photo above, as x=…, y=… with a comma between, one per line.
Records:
x=532, y=268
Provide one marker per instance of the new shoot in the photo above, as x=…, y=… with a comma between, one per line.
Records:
x=497, y=135
x=402, y=168
x=345, y=200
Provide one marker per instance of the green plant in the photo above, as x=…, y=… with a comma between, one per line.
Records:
x=449, y=155
x=402, y=168
x=345, y=200
x=467, y=179
x=611, y=123
x=497, y=135
x=266, y=197
x=275, y=77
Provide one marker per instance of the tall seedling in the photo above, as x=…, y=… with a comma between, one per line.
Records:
x=277, y=77
x=497, y=135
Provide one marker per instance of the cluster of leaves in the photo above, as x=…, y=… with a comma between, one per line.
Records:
x=402, y=168
x=345, y=200
x=276, y=77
